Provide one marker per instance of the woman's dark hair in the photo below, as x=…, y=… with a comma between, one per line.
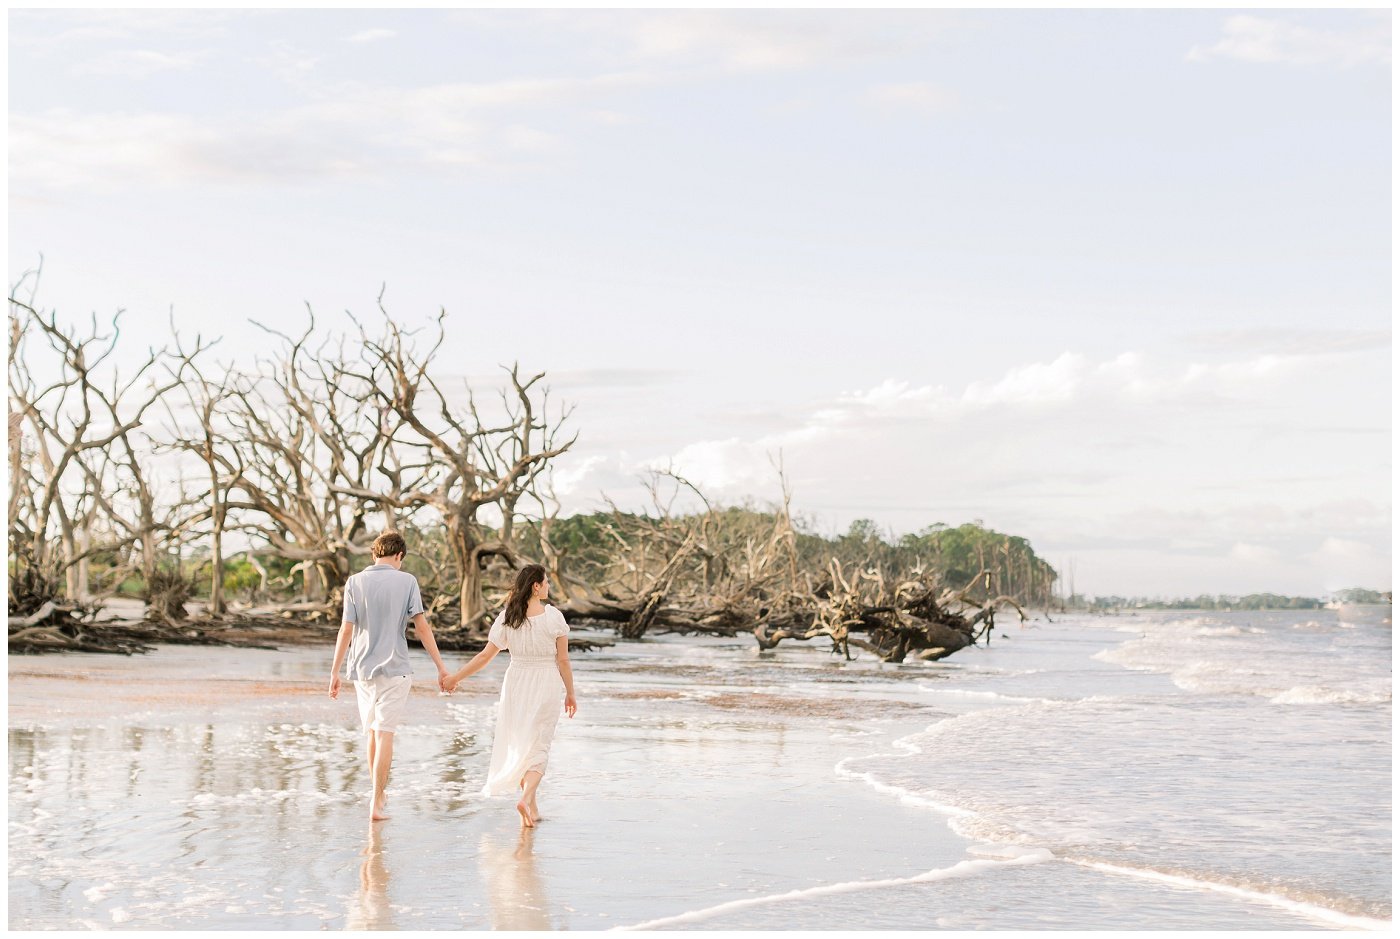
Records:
x=519, y=598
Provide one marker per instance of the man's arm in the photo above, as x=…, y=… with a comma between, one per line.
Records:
x=425, y=636
x=342, y=643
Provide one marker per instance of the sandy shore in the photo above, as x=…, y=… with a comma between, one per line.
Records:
x=220, y=788
x=703, y=785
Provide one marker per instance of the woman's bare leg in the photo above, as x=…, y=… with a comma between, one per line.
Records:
x=529, y=785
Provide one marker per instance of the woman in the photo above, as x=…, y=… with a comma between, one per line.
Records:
x=538, y=640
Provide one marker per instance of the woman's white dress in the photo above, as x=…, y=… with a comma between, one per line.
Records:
x=532, y=695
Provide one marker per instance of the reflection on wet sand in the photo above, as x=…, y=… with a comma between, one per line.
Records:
x=370, y=909
x=513, y=884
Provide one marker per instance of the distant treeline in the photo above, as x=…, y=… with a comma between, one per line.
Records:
x=1253, y=601
x=599, y=549
x=588, y=546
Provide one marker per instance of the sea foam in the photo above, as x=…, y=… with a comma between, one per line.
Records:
x=961, y=869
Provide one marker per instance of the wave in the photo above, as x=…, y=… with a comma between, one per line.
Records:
x=923, y=800
x=960, y=869
x=987, y=695
x=1316, y=694
x=1310, y=910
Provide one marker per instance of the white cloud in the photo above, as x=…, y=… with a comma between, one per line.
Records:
x=1345, y=562
x=570, y=477
x=1253, y=553
x=1036, y=383
x=740, y=42
x=1292, y=341
x=355, y=132
x=60, y=31
x=1257, y=39
x=1094, y=457
x=137, y=63
x=919, y=97
x=1117, y=396
x=371, y=35
x=729, y=466
x=770, y=40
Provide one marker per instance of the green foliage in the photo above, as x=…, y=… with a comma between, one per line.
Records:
x=1253, y=601
x=1360, y=595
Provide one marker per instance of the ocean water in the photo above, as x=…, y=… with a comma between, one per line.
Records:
x=1173, y=771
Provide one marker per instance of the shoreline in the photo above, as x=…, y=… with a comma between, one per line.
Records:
x=705, y=785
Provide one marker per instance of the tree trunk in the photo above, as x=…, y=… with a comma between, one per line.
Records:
x=84, y=578
x=216, y=580
x=461, y=541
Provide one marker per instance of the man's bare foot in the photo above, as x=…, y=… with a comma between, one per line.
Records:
x=534, y=810
x=379, y=811
x=526, y=818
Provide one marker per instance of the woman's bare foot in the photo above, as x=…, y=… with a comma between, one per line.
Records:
x=526, y=818
x=534, y=810
x=379, y=811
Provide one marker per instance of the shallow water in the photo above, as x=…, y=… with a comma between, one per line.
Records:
x=1070, y=776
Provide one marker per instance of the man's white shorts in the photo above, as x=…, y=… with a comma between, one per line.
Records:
x=382, y=701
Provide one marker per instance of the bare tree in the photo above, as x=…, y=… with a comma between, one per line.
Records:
x=312, y=437
x=450, y=460
x=68, y=392
x=209, y=439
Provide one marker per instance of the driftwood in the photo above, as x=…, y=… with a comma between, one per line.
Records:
x=61, y=627
x=918, y=621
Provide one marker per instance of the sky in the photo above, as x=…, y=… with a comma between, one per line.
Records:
x=1115, y=281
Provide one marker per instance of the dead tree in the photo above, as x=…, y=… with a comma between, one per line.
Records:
x=310, y=438
x=76, y=450
x=206, y=435
x=446, y=457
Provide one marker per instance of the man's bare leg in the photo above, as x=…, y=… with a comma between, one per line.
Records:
x=383, y=756
x=529, y=812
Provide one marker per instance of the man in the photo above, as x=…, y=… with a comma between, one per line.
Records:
x=380, y=601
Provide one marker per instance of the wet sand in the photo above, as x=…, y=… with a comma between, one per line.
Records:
x=703, y=785
x=220, y=788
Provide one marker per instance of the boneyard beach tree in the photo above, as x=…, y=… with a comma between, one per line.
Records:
x=304, y=454
x=450, y=459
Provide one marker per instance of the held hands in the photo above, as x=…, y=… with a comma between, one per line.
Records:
x=445, y=682
x=570, y=705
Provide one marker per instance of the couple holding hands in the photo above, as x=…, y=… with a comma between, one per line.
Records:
x=380, y=602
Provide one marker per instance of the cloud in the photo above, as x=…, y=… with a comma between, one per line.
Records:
x=918, y=97
x=1253, y=553
x=1070, y=384
x=371, y=35
x=357, y=132
x=1036, y=383
x=740, y=42
x=137, y=63
x=60, y=31
x=772, y=40
x=1257, y=39
x=570, y=477
x=1345, y=562
x=1292, y=341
